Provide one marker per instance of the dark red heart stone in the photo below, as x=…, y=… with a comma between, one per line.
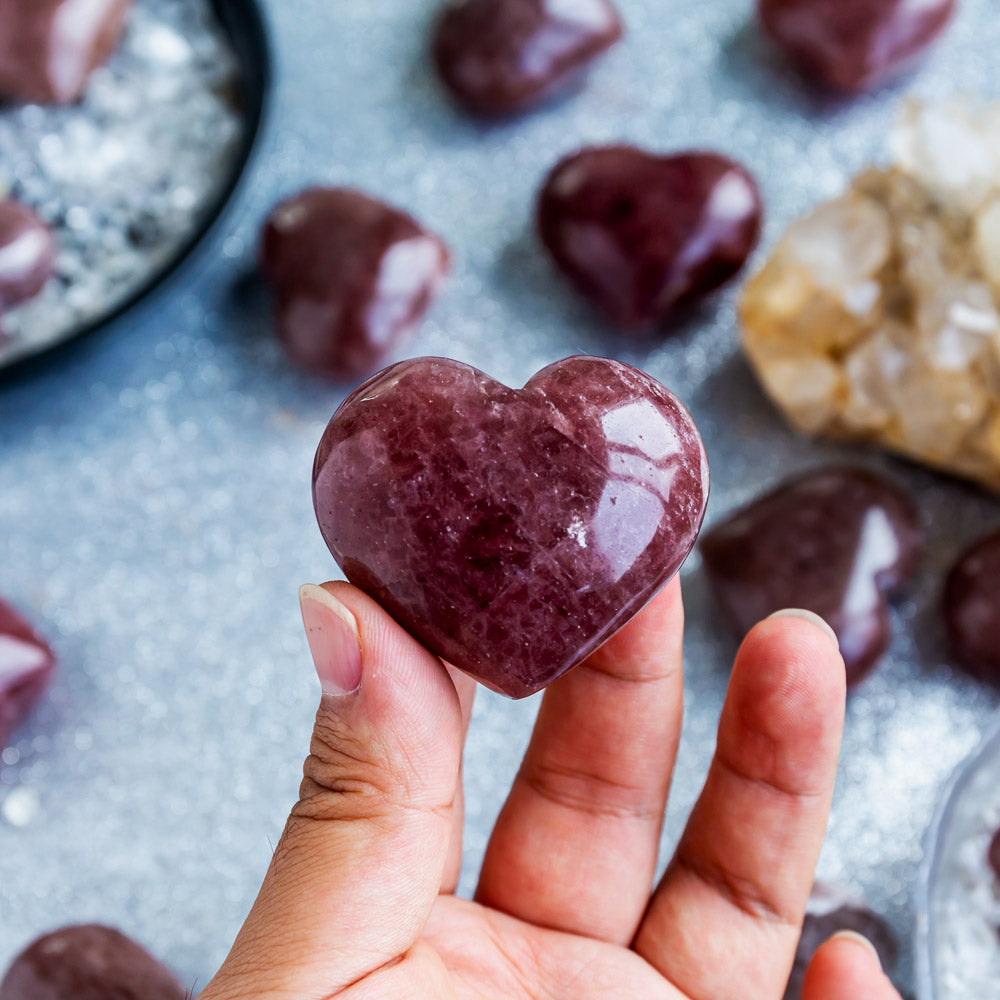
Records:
x=832, y=909
x=26, y=667
x=353, y=277
x=511, y=531
x=499, y=57
x=854, y=45
x=27, y=253
x=49, y=48
x=972, y=609
x=837, y=542
x=88, y=962
x=641, y=235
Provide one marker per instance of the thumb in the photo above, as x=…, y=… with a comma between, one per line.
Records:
x=360, y=863
x=847, y=967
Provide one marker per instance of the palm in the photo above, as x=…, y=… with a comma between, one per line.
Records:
x=490, y=956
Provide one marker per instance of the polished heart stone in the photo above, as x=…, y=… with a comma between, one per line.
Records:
x=832, y=909
x=640, y=235
x=499, y=57
x=854, y=45
x=88, y=962
x=27, y=253
x=352, y=277
x=26, y=667
x=972, y=609
x=837, y=542
x=511, y=531
x=49, y=48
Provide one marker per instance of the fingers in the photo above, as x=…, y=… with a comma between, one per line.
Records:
x=847, y=968
x=362, y=858
x=575, y=846
x=726, y=918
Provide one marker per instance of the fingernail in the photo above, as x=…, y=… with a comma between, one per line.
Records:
x=860, y=939
x=332, y=632
x=810, y=617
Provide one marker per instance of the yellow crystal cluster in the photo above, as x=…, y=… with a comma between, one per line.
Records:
x=877, y=318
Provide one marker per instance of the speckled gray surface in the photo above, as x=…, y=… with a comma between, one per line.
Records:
x=155, y=517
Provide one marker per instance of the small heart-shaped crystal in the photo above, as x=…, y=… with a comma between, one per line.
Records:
x=88, y=962
x=26, y=667
x=352, y=276
x=27, y=253
x=854, y=45
x=49, y=48
x=640, y=235
x=499, y=57
x=511, y=531
x=836, y=542
x=972, y=609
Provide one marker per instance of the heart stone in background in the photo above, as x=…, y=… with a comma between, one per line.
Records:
x=26, y=667
x=854, y=45
x=88, y=962
x=837, y=542
x=641, y=235
x=972, y=609
x=500, y=57
x=511, y=531
x=352, y=277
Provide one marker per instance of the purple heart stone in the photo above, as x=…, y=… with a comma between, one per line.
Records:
x=27, y=254
x=512, y=531
x=854, y=45
x=88, y=962
x=499, y=57
x=837, y=542
x=972, y=609
x=832, y=909
x=641, y=235
x=353, y=277
x=26, y=667
x=49, y=48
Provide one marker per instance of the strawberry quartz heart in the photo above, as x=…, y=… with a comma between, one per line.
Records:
x=352, y=277
x=511, y=531
x=26, y=667
x=838, y=542
x=972, y=609
x=854, y=45
x=49, y=48
x=88, y=962
x=641, y=235
x=499, y=57
x=27, y=253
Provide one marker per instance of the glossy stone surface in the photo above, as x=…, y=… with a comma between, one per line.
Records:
x=26, y=667
x=877, y=317
x=972, y=609
x=640, y=235
x=854, y=45
x=511, y=531
x=88, y=962
x=499, y=57
x=49, y=48
x=27, y=253
x=352, y=276
x=833, y=909
x=837, y=542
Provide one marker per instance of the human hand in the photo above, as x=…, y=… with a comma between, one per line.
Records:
x=359, y=903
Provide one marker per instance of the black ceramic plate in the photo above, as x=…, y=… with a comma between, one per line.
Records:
x=244, y=23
